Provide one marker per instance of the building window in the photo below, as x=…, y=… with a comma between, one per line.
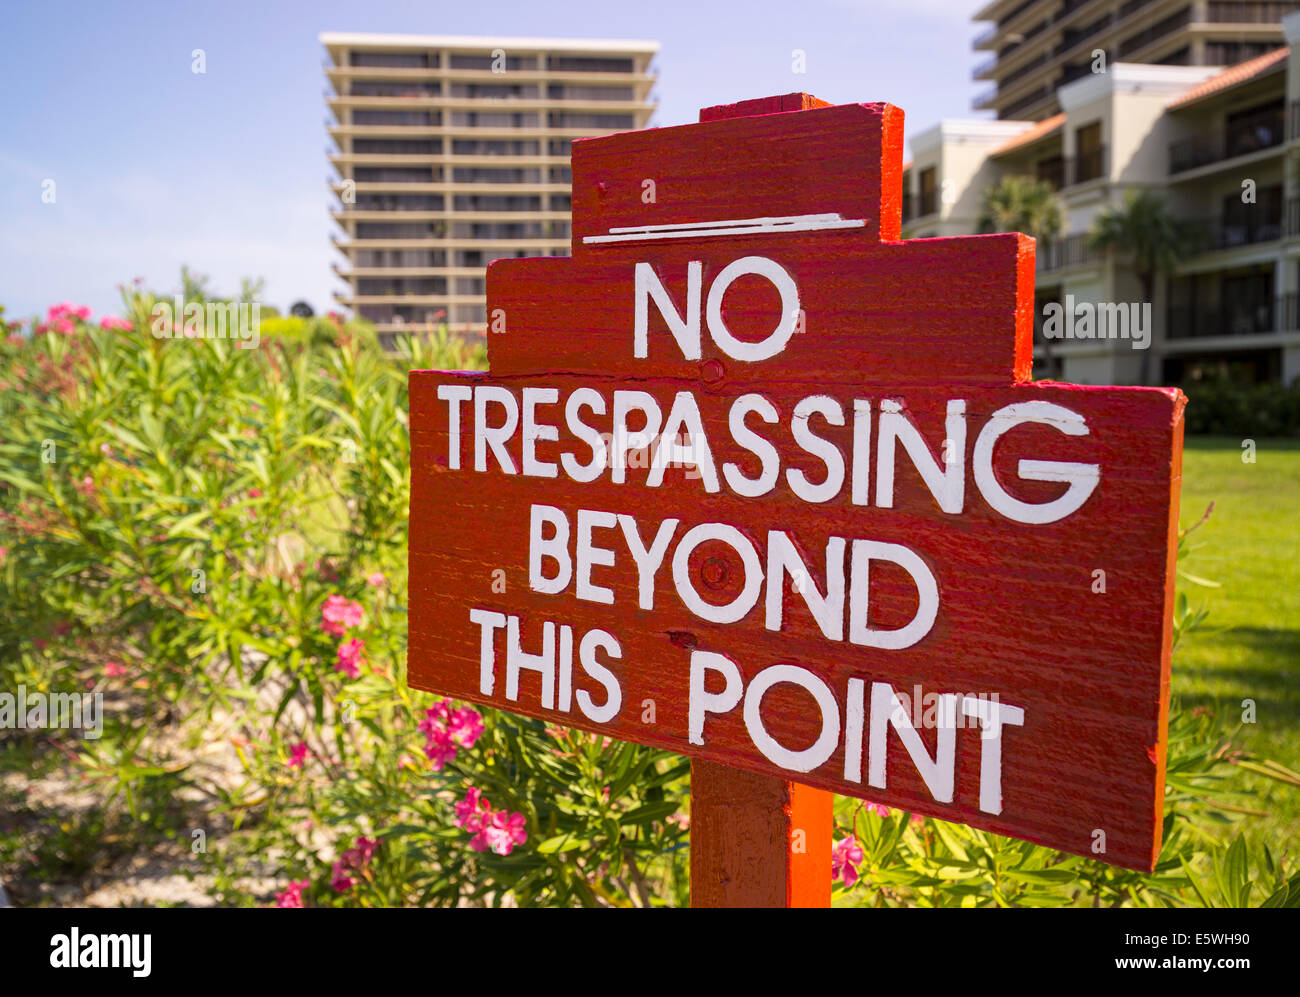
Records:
x=495, y=119
x=394, y=60
x=371, y=117
x=1259, y=127
x=1088, y=152
x=1231, y=53
x=1051, y=171
x=495, y=147
x=929, y=200
x=396, y=147
x=397, y=174
x=493, y=90
x=491, y=62
x=560, y=91
x=399, y=89
x=570, y=119
x=588, y=64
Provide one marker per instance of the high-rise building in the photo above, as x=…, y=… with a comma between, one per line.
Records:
x=1219, y=147
x=1039, y=46
x=453, y=152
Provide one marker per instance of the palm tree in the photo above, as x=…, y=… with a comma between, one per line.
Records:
x=1028, y=205
x=1145, y=230
x=1022, y=204
x=1154, y=239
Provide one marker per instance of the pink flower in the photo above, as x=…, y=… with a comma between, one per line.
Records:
x=87, y=486
x=339, y=879
x=495, y=830
x=114, y=669
x=359, y=855
x=472, y=811
x=297, y=755
x=255, y=493
x=355, y=859
x=349, y=655
x=877, y=808
x=292, y=895
x=339, y=613
x=113, y=322
x=466, y=726
x=446, y=731
x=845, y=857
x=502, y=832
x=377, y=579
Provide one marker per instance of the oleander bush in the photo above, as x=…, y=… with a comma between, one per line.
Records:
x=214, y=540
x=1227, y=407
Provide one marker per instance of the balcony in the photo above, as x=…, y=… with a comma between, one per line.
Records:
x=1027, y=101
x=1069, y=7
x=1248, y=13
x=1263, y=132
x=1077, y=36
x=1051, y=172
x=1086, y=166
x=1072, y=251
x=1239, y=318
x=1021, y=71
x=1155, y=32
x=1240, y=229
x=1289, y=312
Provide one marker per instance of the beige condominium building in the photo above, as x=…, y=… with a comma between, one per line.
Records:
x=1219, y=145
x=1037, y=46
x=452, y=152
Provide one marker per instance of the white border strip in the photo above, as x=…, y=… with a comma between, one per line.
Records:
x=728, y=226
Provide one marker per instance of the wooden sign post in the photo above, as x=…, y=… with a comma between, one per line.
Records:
x=753, y=480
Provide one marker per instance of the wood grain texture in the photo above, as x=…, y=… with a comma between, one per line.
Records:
x=745, y=167
x=924, y=311
x=922, y=323
x=763, y=105
x=758, y=840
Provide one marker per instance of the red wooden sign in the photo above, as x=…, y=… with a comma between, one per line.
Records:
x=753, y=480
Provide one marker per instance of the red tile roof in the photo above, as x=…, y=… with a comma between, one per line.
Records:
x=1233, y=75
x=1043, y=129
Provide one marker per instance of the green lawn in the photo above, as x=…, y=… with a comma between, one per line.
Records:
x=1249, y=646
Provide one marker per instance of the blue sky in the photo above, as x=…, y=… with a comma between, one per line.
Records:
x=155, y=166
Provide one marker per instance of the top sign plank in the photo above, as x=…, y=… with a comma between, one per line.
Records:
x=753, y=480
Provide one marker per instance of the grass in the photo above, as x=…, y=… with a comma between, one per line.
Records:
x=1249, y=646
